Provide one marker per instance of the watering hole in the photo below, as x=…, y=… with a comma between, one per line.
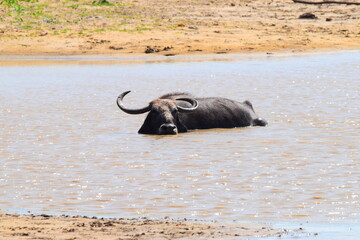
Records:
x=67, y=149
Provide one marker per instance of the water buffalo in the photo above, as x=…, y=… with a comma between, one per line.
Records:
x=178, y=112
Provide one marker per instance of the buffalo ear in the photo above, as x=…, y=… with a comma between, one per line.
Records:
x=147, y=127
x=143, y=130
x=181, y=127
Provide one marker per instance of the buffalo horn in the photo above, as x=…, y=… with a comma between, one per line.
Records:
x=193, y=102
x=130, y=111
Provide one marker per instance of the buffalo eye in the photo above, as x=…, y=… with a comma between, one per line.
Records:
x=174, y=111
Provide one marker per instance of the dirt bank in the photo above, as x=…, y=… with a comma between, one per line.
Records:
x=66, y=227
x=171, y=27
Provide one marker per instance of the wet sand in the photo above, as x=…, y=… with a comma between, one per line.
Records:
x=177, y=27
x=80, y=227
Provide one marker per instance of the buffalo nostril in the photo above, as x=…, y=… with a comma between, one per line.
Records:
x=168, y=129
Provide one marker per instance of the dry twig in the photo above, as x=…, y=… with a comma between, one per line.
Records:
x=326, y=2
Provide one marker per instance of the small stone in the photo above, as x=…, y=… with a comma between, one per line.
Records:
x=308, y=16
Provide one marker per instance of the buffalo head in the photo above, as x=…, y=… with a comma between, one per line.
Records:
x=163, y=116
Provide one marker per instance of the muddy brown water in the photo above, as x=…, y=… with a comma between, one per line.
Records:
x=67, y=149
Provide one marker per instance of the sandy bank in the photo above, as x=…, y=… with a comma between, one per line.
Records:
x=66, y=227
x=176, y=27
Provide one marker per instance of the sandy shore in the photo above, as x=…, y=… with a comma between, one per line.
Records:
x=176, y=27
x=66, y=227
